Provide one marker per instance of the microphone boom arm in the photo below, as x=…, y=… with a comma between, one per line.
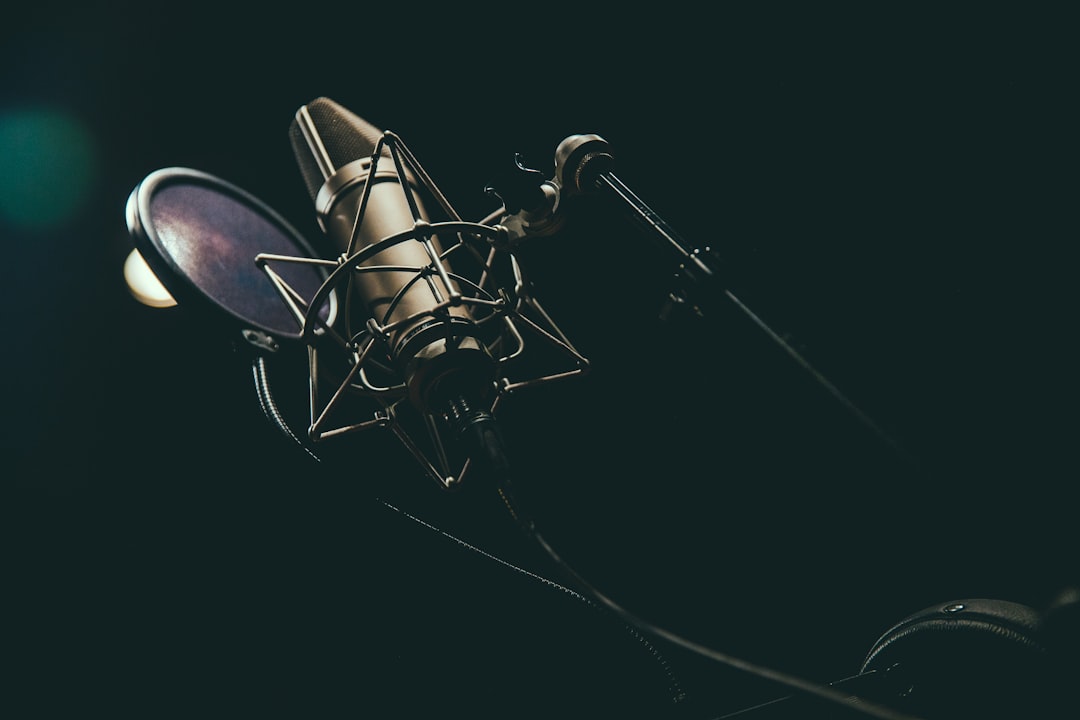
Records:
x=583, y=164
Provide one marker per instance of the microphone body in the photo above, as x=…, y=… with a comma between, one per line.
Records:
x=406, y=288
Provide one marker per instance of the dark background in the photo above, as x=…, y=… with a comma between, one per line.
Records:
x=893, y=192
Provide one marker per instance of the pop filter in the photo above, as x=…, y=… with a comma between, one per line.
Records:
x=199, y=235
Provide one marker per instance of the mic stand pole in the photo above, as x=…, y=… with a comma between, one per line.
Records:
x=583, y=163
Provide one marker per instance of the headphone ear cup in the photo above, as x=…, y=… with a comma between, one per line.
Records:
x=965, y=658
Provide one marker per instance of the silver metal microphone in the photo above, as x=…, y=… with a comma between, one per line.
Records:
x=432, y=341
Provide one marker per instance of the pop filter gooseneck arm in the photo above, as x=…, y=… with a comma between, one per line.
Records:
x=583, y=165
x=487, y=442
x=494, y=463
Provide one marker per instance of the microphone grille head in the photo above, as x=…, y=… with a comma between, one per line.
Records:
x=325, y=136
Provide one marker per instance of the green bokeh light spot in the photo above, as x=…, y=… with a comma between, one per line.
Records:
x=48, y=164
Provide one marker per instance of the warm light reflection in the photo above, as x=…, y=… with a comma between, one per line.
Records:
x=144, y=284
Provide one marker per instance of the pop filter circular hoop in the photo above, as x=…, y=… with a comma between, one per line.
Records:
x=200, y=235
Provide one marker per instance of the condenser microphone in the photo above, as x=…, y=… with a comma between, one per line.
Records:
x=406, y=289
